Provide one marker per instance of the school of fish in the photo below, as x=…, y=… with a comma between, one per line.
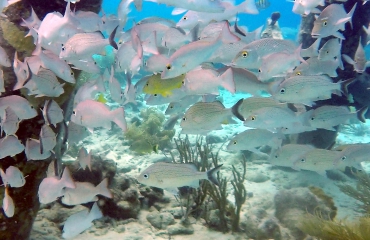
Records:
x=186, y=65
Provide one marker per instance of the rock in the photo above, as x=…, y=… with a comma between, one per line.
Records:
x=269, y=229
x=292, y=204
x=160, y=220
x=257, y=177
x=179, y=228
x=175, y=211
x=213, y=138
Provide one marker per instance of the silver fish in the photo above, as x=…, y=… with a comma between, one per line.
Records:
x=10, y=146
x=245, y=107
x=253, y=138
x=92, y=114
x=195, y=53
x=32, y=150
x=13, y=176
x=314, y=66
x=318, y=160
x=327, y=117
x=8, y=204
x=307, y=89
x=288, y=154
x=9, y=122
x=204, y=117
x=76, y=133
x=52, y=113
x=44, y=83
x=251, y=55
x=332, y=19
x=85, y=192
x=79, y=222
x=84, y=158
x=19, y=105
x=47, y=139
x=51, y=188
x=86, y=44
x=359, y=62
x=170, y=176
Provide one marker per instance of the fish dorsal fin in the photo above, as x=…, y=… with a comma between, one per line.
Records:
x=177, y=11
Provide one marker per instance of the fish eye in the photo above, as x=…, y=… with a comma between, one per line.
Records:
x=185, y=18
x=146, y=176
x=344, y=158
x=168, y=66
x=235, y=142
x=183, y=82
x=155, y=94
x=259, y=70
x=327, y=52
x=72, y=73
x=303, y=160
x=147, y=84
x=63, y=48
x=253, y=118
x=298, y=73
x=184, y=118
x=325, y=23
x=74, y=112
x=312, y=118
x=171, y=106
x=244, y=54
x=282, y=90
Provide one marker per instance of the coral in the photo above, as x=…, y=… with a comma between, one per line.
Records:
x=148, y=134
x=15, y=37
x=361, y=192
x=317, y=226
x=240, y=193
x=357, y=129
x=327, y=200
x=325, y=227
x=210, y=201
x=291, y=204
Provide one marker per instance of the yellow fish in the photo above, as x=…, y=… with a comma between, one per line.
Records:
x=101, y=98
x=164, y=87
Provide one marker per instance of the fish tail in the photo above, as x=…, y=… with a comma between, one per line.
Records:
x=227, y=80
x=3, y=177
x=235, y=110
x=226, y=36
x=119, y=118
x=345, y=84
x=361, y=114
x=193, y=34
x=95, y=212
x=111, y=39
x=102, y=189
x=211, y=174
x=67, y=179
x=350, y=14
x=249, y=6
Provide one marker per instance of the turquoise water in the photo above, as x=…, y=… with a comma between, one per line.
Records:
x=288, y=19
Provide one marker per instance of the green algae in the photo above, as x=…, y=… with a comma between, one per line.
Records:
x=148, y=134
x=16, y=37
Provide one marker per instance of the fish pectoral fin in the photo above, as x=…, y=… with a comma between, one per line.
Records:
x=322, y=172
x=173, y=191
x=194, y=184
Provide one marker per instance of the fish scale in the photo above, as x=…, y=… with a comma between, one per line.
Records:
x=318, y=160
